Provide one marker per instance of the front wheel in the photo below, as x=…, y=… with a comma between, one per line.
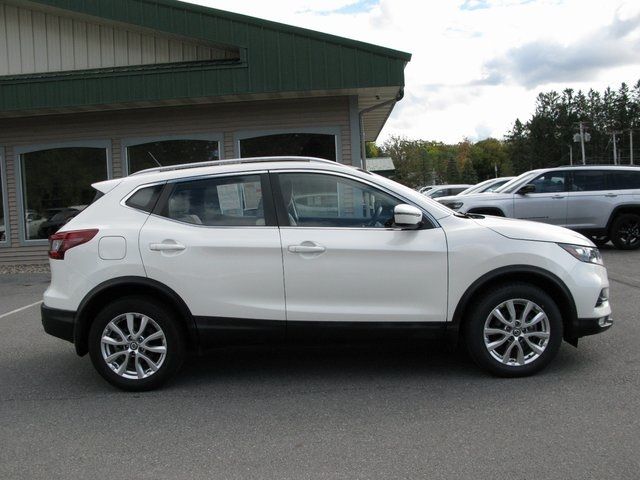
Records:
x=136, y=344
x=514, y=330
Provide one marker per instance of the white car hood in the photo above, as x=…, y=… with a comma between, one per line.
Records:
x=535, y=231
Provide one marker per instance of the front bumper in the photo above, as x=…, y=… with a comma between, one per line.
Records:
x=582, y=327
x=59, y=323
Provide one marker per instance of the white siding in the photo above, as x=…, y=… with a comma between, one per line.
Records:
x=32, y=41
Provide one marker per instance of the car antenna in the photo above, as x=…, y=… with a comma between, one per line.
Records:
x=154, y=159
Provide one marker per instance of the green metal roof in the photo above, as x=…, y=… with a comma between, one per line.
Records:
x=273, y=58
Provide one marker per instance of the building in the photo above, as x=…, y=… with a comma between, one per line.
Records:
x=98, y=89
x=381, y=165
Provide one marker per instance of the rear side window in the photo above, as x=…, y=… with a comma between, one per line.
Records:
x=624, y=180
x=588, y=181
x=218, y=202
x=145, y=199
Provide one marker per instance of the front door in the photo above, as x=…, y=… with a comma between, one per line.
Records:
x=215, y=242
x=548, y=203
x=345, y=262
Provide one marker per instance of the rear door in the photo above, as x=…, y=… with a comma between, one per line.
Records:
x=345, y=262
x=590, y=200
x=548, y=203
x=215, y=242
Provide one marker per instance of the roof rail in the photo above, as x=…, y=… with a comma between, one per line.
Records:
x=235, y=161
x=576, y=165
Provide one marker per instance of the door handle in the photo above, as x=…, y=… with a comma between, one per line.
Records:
x=166, y=247
x=558, y=196
x=306, y=248
x=610, y=195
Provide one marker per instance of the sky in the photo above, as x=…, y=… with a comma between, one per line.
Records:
x=477, y=65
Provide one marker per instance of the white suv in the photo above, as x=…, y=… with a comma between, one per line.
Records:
x=602, y=202
x=177, y=259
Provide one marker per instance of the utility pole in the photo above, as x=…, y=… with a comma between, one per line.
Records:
x=616, y=158
x=584, y=160
x=631, y=146
x=570, y=154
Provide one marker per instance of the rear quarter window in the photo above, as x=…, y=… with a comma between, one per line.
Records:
x=624, y=180
x=145, y=199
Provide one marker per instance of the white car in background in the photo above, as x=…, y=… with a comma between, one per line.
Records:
x=179, y=259
x=436, y=191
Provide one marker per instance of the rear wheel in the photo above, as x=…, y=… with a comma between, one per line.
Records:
x=625, y=231
x=514, y=330
x=136, y=344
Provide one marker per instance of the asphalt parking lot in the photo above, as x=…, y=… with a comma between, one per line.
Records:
x=323, y=412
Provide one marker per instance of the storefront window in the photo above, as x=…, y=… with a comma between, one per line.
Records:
x=3, y=228
x=298, y=144
x=56, y=186
x=171, y=152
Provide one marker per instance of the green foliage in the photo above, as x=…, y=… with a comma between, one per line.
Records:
x=546, y=139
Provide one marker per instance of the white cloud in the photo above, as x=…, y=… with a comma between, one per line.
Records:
x=523, y=46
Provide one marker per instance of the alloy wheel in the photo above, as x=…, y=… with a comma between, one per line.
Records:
x=133, y=346
x=516, y=332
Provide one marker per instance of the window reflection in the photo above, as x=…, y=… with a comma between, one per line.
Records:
x=171, y=152
x=298, y=144
x=56, y=186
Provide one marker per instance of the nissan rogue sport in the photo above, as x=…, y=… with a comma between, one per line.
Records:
x=178, y=259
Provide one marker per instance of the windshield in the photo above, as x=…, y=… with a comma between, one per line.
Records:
x=477, y=187
x=513, y=183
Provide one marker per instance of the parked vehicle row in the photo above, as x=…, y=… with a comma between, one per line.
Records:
x=179, y=259
x=602, y=202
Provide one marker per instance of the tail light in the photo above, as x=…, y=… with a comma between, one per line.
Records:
x=60, y=242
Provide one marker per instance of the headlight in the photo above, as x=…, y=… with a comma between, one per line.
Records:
x=453, y=205
x=584, y=254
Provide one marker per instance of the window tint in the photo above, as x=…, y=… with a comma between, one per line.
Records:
x=3, y=235
x=299, y=144
x=456, y=190
x=225, y=201
x=58, y=181
x=171, y=152
x=319, y=200
x=550, y=182
x=624, y=180
x=145, y=199
x=439, y=193
x=588, y=181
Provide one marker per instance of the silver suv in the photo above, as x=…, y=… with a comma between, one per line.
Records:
x=602, y=202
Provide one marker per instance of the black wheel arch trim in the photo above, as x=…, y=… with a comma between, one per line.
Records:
x=620, y=209
x=505, y=272
x=81, y=324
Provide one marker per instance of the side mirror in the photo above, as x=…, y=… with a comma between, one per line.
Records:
x=407, y=216
x=528, y=188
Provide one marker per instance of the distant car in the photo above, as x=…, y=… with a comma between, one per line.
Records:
x=437, y=191
x=602, y=202
x=33, y=220
x=2, y=233
x=489, y=186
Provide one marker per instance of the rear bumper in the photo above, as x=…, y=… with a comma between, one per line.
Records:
x=59, y=323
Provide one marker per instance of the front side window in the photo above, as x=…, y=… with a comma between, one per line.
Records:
x=296, y=144
x=218, y=202
x=56, y=186
x=588, y=181
x=171, y=152
x=550, y=182
x=320, y=200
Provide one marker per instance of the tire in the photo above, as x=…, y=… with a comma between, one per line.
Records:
x=136, y=365
x=506, y=349
x=599, y=240
x=625, y=231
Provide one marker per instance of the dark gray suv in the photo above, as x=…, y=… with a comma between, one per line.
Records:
x=602, y=202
